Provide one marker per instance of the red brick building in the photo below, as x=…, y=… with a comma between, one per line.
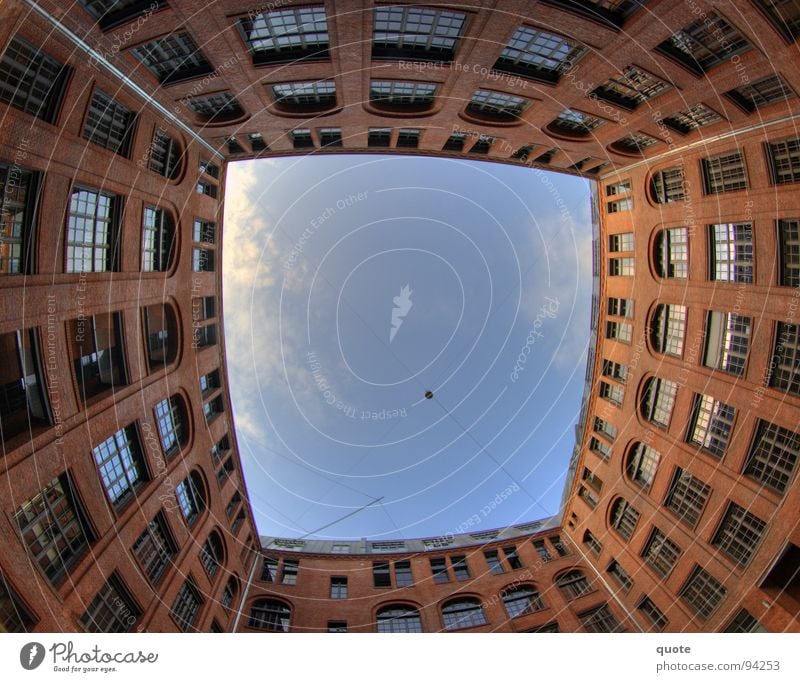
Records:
x=124, y=501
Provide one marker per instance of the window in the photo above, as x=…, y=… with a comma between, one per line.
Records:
x=666, y=186
x=731, y=252
x=165, y=155
x=173, y=58
x=660, y=552
x=109, y=124
x=220, y=107
x=203, y=308
x=599, y=619
x=614, y=394
x=398, y=618
x=301, y=138
x=416, y=33
x=14, y=616
x=620, y=242
x=605, y=428
x=455, y=143
x=576, y=123
x=158, y=239
x=269, y=571
x=784, y=15
x=208, y=168
x=411, y=95
x=204, y=336
x=621, y=267
x=408, y=138
x=310, y=95
x=789, y=237
x=620, y=307
x=739, y=533
x=110, y=13
x=54, y=527
x=542, y=551
x=381, y=575
x=657, y=619
x=705, y=43
x=92, y=231
x=337, y=626
x=229, y=592
x=702, y=592
x=658, y=400
x=773, y=455
x=624, y=518
x=161, y=334
x=213, y=408
x=271, y=615
x=615, y=370
x=225, y=471
x=594, y=545
x=599, y=447
x=202, y=260
x=338, y=588
x=402, y=573
x=622, y=576
x=620, y=205
x=497, y=105
x=493, y=561
x=635, y=143
x=232, y=505
x=482, y=145
x=191, y=499
x=548, y=627
x=745, y=622
x=668, y=328
x=460, y=567
x=439, y=570
x=697, y=116
x=286, y=35
x=631, y=88
x=587, y=496
x=573, y=584
x=218, y=450
x=206, y=188
x=784, y=370
x=463, y=613
x=592, y=480
x=171, y=421
x=330, y=137
x=289, y=572
x=539, y=55
x=727, y=342
x=711, y=424
x=96, y=350
x=521, y=601
x=618, y=188
x=642, y=464
x=112, y=609
x=120, y=464
x=31, y=80
x=155, y=548
x=212, y=554
x=512, y=557
x=760, y=93
x=204, y=231
x=19, y=201
x=686, y=497
x=210, y=382
x=339, y=548
x=671, y=253
x=724, y=173
x=379, y=137
x=782, y=582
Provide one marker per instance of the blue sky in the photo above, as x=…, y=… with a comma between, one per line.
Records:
x=355, y=284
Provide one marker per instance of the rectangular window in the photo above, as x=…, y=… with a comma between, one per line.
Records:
x=512, y=557
x=269, y=570
x=14, y=615
x=615, y=370
x=173, y=58
x=31, y=80
x=620, y=242
x=789, y=238
x=301, y=138
x=621, y=267
x=594, y=545
x=165, y=155
x=416, y=33
x=202, y=260
x=745, y=622
x=620, y=205
x=561, y=548
x=233, y=504
x=599, y=619
x=120, y=464
x=493, y=561
x=785, y=16
x=379, y=137
x=407, y=138
x=773, y=455
x=225, y=471
x=19, y=202
x=760, y=93
x=455, y=143
x=337, y=626
x=739, y=534
x=622, y=187
x=731, y=251
x=482, y=145
x=697, y=116
x=204, y=336
x=209, y=168
x=218, y=450
x=542, y=551
x=619, y=331
x=402, y=574
x=257, y=143
x=657, y=619
x=631, y=87
x=439, y=570
x=53, y=526
x=588, y=496
x=289, y=573
x=622, y=577
x=96, y=349
x=204, y=231
x=213, y=408
x=330, y=137
x=711, y=424
x=605, y=428
x=381, y=574
x=614, y=394
x=338, y=587
x=687, y=497
x=537, y=54
x=702, y=592
x=210, y=382
x=784, y=161
x=705, y=43
x=187, y=605
x=92, y=231
x=286, y=35
x=460, y=567
x=206, y=188
x=784, y=371
x=592, y=480
x=110, y=13
x=109, y=124
x=620, y=307
x=724, y=173
x=600, y=448
x=112, y=609
x=158, y=239
x=155, y=549
x=727, y=342
x=661, y=553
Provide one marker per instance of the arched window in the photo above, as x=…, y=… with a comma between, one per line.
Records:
x=161, y=334
x=668, y=328
x=671, y=253
x=158, y=239
x=658, y=399
x=642, y=464
x=230, y=592
x=165, y=155
x=271, y=615
x=463, y=613
x=398, y=618
x=667, y=185
x=172, y=424
x=522, y=600
x=623, y=517
x=212, y=554
x=190, y=493
x=573, y=584
x=497, y=106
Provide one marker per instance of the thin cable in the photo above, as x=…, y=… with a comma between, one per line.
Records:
x=346, y=516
